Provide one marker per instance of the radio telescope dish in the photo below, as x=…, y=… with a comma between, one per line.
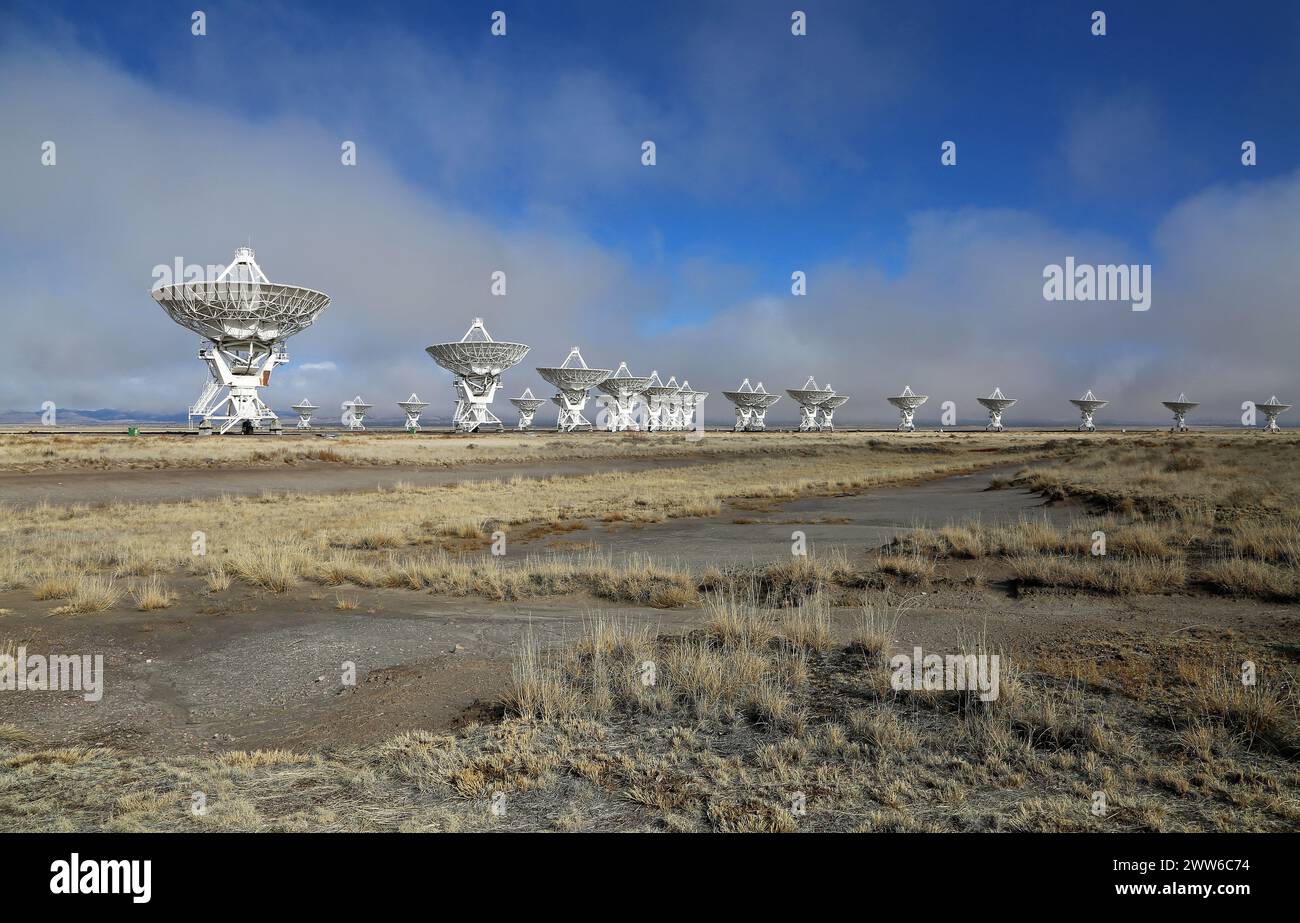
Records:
x=304, y=409
x=1088, y=405
x=573, y=378
x=809, y=398
x=751, y=406
x=907, y=402
x=412, y=407
x=1271, y=409
x=688, y=402
x=527, y=405
x=626, y=389
x=828, y=408
x=659, y=398
x=354, y=412
x=1181, y=407
x=996, y=403
x=244, y=319
x=478, y=361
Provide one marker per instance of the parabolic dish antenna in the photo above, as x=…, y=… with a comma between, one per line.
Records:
x=827, y=410
x=412, y=407
x=625, y=388
x=907, y=402
x=658, y=397
x=996, y=403
x=354, y=413
x=304, y=409
x=809, y=398
x=1181, y=407
x=573, y=378
x=244, y=319
x=1270, y=409
x=688, y=402
x=1088, y=405
x=527, y=405
x=478, y=360
x=751, y=406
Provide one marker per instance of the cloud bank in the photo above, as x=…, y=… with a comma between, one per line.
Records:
x=145, y=176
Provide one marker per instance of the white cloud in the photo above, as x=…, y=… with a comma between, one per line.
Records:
x=145, y=176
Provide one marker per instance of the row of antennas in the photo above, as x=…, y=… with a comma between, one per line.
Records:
x=244, y=320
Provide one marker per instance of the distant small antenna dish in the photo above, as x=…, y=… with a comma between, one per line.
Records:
x=354, y=413
x=572, y=379
x=660, y=398
x=478, y=361
x=1181, y=408
x=686, y=406
x=412, y=407
x=810, y=398
x=996, y=403
x=1270, y=409
x=626, y=389
x=751, y=406
x=828, y=408
x=304, y=409
x=1088, y=405
x=907, y=402
x=527, y=405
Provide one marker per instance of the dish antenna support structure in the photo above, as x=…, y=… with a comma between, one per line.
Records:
x=1088, y=405
x=1271, y=409
x=995, y=403
x=810, y=399
x=751, y=406
x=907, y=402
x=244, y=319
x=572, y=379
x=478, y=361
x=624, y=390
x=412, y=407
x=1181, y=408
x=304, y=409
x=527, y=405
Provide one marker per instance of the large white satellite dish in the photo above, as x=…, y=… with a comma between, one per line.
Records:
x=244, y=319
x=478, y=361
x=751, y=406
x=572, y=379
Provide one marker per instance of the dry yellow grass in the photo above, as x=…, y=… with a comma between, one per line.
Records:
x=28, y=452
x=152, y=594
x=377, y=538
x=91, y=594
x=1105, y=575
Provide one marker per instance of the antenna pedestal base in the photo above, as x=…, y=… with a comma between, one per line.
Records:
x=230, y=398
x=473, y=397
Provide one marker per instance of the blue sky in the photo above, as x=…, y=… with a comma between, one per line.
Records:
x=775, y=152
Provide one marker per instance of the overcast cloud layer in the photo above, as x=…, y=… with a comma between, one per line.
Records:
x=145, y=176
